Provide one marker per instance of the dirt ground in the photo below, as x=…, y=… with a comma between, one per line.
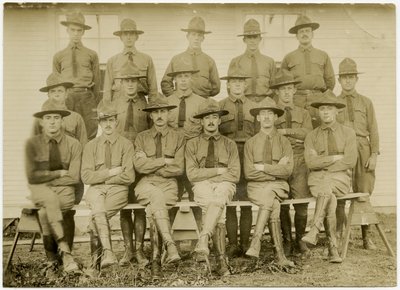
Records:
x=361, y=268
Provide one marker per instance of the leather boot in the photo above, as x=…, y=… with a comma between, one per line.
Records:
x=210, y=220
x=156, y=252
x=367, y=242
x=50, y=247
x=330, y=229
x=69, y=227
x=68, y=261
x=274, y=227
x=127, y=234
x=219, y=244
x=300, y=223
x=320, y=212
x=140, y=230
x=340, y=220
x=103, y=230
x=246, y=221
x=164, y=228
x=95, y=255
x=286, y=227
x=232, y=231
x=255, y=245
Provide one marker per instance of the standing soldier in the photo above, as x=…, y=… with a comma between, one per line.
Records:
x=212, y=165
x=159, y=156
x=330, y=154
x=268, y=163
x=294, y=124
x=206, y=82
x=259, y=67
x=311, y=66
x=359, y=115
x=129, y=34
x=107, y=167
x=53, y=160
x=80, y=65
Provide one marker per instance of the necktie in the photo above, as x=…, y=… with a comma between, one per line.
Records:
x=54, y=156
x=194, y=61
x=288, y=117
x=210, y=159
x=350, y=107
x=130, y=56
x=74, y=62
x=267, y=151
x=254, y=74
x=239, y=110
x=158, y=146
x=307, y=61
x=107, y=154
x=182, y=112
x=129, y=116
x=332, y=146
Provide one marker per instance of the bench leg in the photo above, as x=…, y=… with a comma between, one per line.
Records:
x=345, y=242
x=384, y=239
x=9, y=224
x=11, y=254
x=32, y=242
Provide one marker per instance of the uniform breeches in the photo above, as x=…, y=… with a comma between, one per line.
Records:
x=298, y=180
x=363, y=179
x=327, y=183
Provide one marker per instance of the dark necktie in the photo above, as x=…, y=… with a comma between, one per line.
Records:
x=158, y=146
x=129, y=116
x=254, y=74
x=54, y=156
x=239, y=110
x=182, y=112
x=107, y=154
x=350, y=107
x=307, y=61
x=130, y=56
x=194, y=61
x=288, y=117
x=210, y=159
x=332, y=146
x=74, y=62
x=267, y=151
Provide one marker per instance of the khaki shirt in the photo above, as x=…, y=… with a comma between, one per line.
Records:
x=365, y=123
x=316, y=148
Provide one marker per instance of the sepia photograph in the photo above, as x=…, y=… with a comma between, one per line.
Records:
x=199, y=145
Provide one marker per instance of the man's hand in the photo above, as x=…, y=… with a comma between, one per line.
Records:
x=115, y=171
x=221, y=170
x=284, y=160
x=371, y=162
x=140, y=154
x=337, y=157
x=169, y=160
x=259, y=167
x=62, y=172
x=282, y=131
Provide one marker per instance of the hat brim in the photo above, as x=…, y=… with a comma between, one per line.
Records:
x=172, y=74
x=64, y=84
x=319, y=104
x=220, y=113
x=151, y=109
x=349, y=73
x=254, y=112
x=251, y=33
x=63, y=113
x=195, y=30
x=130, y=77
x=275, y=86
x=84, y=26
x=313, y=26
x=227, y=78
x=119, y=32
x=105, y=116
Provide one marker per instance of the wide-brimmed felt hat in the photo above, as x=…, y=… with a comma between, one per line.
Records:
x=55, y=80
x=251, y=27
x=106, y=110
x=283, y=77
x=267, y=104
x=348, y=67
x=127, y=25
x=235, y=73
x=208, y=107
x=328, y=98
x=182, y=66
x=51, y=107
x=129, y=71
x=196, y=24
x=301, y=22
x=157, y=103
x=76, y=18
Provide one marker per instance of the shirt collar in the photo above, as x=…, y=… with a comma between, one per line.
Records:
x=234, y=98
x=185, y=94
x=353, y=94
x=113, y=138
x=126, y=50
x=207, y=136
x=282, y=106
x=57, y=137
x=334, y=126
x=196, y=51
x=153, y=131
x=251, y=53
x=78, y=45
x=304, y=48
x=271, y=135
x=134, y=98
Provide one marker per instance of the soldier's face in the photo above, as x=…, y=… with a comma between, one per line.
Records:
x=51, y=123
x=305, y=35
x=160, y=117
x=267, y=118
x=195, y=39
x=75, y=32
x=108, y=125
x=348, y=82
x=327, y=114
x=252, y=41
x=130, y=86
x=58, y=94
x=183, y=81
x=286, y=93
x=210, y=123
x=129, y=38
x=236, y=86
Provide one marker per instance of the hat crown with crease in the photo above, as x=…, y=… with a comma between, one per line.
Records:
x=127, y=25
x=251, y=27
x=196, y=24
x=301, y=22
x=76, y=18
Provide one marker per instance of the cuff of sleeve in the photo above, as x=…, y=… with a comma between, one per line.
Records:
x=267, y=168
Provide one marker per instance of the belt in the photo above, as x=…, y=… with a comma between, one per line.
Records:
x=318, y=170
x=80, y=89
x=220, y=165
x=306, y=92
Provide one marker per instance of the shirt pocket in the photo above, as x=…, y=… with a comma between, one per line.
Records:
x=150, y=150
x=227, y=124
x=317, y=65
x=293, y=64
x=222, y=157
x=360, y=116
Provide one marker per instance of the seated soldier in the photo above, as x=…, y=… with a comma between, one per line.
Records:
x=159, y=157
x=212, y=166
x=53, y=160
x=107, y=166
x=330, y=154
x=268, y=163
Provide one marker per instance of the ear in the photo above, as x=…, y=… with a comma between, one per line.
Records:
x=294, y=90
x=202, y=122
x=258, y=118
x=219, y=121
x=41, y=122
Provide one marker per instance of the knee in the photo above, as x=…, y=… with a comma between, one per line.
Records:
x=125, y=214
x=218, y=202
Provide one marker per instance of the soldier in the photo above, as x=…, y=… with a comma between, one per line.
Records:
x=206, y=82
x=294, y=124
x=81, y=66
x=53, y=160
x=359, y=115
x=159, y=156
x=330, y=154
x=268, y=163
x=259, y=67
x=212, y=166
x=129, y=34
x=309, y=65
x=107, y=167
x=238, y=125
